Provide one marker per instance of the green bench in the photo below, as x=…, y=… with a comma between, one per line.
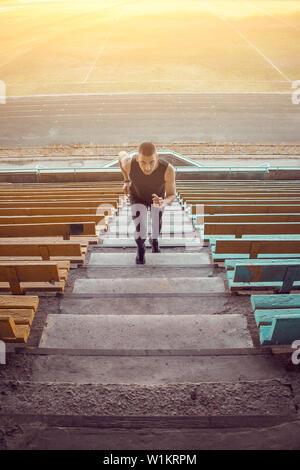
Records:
x=235, y=207
x=200, y=221
x=278, y=318
x=246, y=218
x=280, y=247
x=280, y=276
x=240, y=229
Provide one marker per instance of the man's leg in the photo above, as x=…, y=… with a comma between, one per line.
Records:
x=139, y=216
x=156, y=217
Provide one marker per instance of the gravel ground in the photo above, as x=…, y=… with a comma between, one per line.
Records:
x=186, y=148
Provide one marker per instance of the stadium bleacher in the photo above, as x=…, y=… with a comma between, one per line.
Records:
x=253, y=228
x=44, y=228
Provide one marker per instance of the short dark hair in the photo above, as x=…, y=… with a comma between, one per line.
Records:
x=147, y=149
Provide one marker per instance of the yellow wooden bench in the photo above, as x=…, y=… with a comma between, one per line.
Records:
x=21, y=276
x=84, y=240
x=60, y=203
x=118, y=200
x=54, y=219
x=16, y=316
x=19, y=188
x=21, y=308
x=73, y=252
x=57, y=191
x=39, y=230
x=68, y=211
x=12, y=333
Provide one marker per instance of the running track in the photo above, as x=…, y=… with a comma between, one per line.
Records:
x=124, y=118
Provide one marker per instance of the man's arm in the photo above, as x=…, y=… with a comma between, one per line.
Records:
x=170, y=186
x=125, y=164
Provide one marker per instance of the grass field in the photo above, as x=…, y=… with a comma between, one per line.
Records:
x=107, y=46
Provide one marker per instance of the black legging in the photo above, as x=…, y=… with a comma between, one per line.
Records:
x=139, y=212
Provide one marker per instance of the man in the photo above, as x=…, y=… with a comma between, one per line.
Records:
x=150, y=183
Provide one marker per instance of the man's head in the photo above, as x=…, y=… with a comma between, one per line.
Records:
x=147, y=157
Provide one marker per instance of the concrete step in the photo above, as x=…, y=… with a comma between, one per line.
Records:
x=130, y=228
x=178, y=235
x=173, y=225
x=196, y=407
x=168, y=217
x=218, y=432
x=163, y=285
x=145, y=332
x=148, y=271
x=146, y=305
x=118, y=242
x=152, y=259
x=79, y=369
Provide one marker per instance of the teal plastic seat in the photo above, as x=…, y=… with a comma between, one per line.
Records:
x=275, y=301
x=281, y=276
x=278, y=318
x=284, y=330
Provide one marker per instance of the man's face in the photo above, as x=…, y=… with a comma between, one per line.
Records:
x=147, y=164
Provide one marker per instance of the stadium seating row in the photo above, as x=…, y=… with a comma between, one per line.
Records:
x=44, y=228
x=253, y=227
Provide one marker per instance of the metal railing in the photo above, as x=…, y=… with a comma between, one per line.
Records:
x=193, y=167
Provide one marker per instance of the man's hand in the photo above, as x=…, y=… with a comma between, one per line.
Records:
x=126, y=189
x=157, y=201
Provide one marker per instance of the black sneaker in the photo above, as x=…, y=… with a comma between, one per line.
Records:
x=155, y=246
x=140, y=256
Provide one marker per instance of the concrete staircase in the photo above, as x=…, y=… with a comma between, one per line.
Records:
x=157, y=356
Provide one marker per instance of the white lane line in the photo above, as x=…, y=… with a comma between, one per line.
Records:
x=250, y=44
x=53, y=33
x=102, y=47
x=273, y=16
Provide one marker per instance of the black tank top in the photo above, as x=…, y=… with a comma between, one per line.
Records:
x=143, y=186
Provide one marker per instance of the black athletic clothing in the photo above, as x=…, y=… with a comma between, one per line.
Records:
x=141, y=189
x=143, y=186
x=139, y=216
